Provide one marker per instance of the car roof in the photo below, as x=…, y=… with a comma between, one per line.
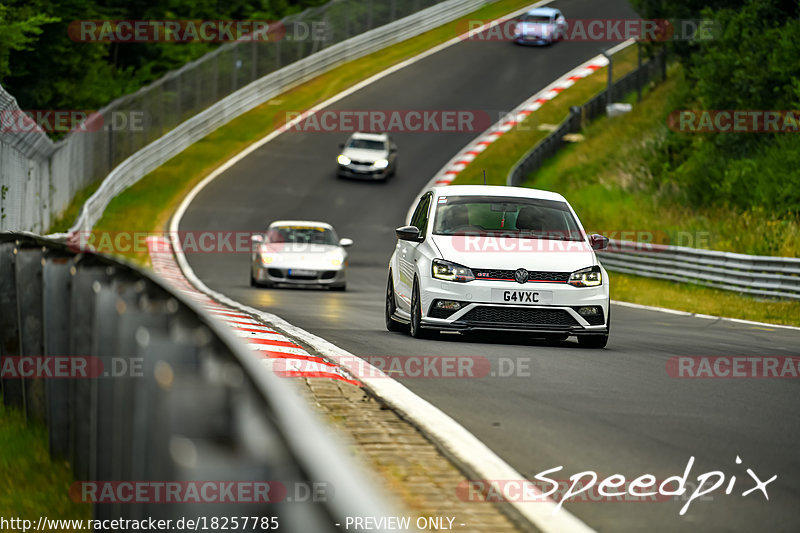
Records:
x=315, y=223
x=496, y=190
x=544, y=11
x=370, y=136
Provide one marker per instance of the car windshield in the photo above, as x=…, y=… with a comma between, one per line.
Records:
x=366, y=144
x=514, y=217
x=538, y=19
x=301, y=235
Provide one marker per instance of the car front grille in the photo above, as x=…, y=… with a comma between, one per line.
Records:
x=519, y=316
x=533, y=275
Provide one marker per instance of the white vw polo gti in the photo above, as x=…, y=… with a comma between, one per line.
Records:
x=479, y=257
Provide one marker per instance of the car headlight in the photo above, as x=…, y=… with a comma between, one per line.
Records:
x=586, y=277
x=517, y=31
x=381, y=163
x=268, y=258
x=343, y=160
x=448, y=271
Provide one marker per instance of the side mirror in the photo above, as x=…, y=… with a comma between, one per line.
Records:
x=393, y=148
x=257, y=238
x=598, y=242
x=407, y=233
x=341, y=146
x=344, y=243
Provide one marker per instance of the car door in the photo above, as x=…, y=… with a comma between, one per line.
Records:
x=407, y=254
x=561, y=26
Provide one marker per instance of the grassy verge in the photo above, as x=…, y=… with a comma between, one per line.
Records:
x=607, y=182
x=602, y=177
x=31, y=484
x=147, y=206
x=501, y=155
x=703, y=300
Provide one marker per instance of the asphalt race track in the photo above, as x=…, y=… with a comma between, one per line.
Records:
x=613, y=411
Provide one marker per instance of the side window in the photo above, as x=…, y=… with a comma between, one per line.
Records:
x=420, y=218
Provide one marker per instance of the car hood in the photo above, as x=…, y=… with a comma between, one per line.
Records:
x=512, y=253
x=537, y=28
x=359, y=154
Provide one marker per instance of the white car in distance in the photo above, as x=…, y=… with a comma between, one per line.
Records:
x=299, y=253
x=479, y=257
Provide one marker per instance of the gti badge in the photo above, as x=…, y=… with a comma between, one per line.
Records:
x=521, y=275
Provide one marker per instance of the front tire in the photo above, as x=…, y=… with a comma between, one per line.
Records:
x=390, y=308
x=415, y=327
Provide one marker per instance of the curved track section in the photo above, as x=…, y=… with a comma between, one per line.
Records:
x=610, y=411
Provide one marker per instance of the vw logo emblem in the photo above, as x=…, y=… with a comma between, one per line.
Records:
x=521, y=275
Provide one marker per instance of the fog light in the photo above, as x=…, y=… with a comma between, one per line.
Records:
x=589, y=311
x=448, y=304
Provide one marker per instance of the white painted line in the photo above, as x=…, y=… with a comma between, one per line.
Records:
x=279, y=349
x=697, y=315
x=269, y=335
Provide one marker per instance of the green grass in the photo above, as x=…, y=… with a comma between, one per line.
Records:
x=602, y=178
x=501, y=155
x=702, y=300
x=147, y=206
x=607, y=181
x=31, y=484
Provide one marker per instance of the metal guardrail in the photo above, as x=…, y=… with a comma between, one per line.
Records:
x=187, y=104
x=581, y=115
x=752, y=274
x=201, y=408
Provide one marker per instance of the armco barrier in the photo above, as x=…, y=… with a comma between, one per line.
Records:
x=199, y=406
x=191, y=102
x=760, y=275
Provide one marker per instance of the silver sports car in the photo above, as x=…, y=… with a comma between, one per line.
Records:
x=299, y=252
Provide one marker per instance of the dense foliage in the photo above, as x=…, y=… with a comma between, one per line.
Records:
x=752, y=63
x=44, y=69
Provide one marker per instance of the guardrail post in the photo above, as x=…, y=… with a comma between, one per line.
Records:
x=56, y=306
x=9, y=321
x=610, y=83
x=29, y=294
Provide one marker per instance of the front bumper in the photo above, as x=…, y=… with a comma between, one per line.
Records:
x=532, y=40
x=364, y=172
x=478, y=311
x=281, y=275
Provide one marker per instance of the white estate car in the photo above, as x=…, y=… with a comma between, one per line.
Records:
x=299, y=252
x=479, y=257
